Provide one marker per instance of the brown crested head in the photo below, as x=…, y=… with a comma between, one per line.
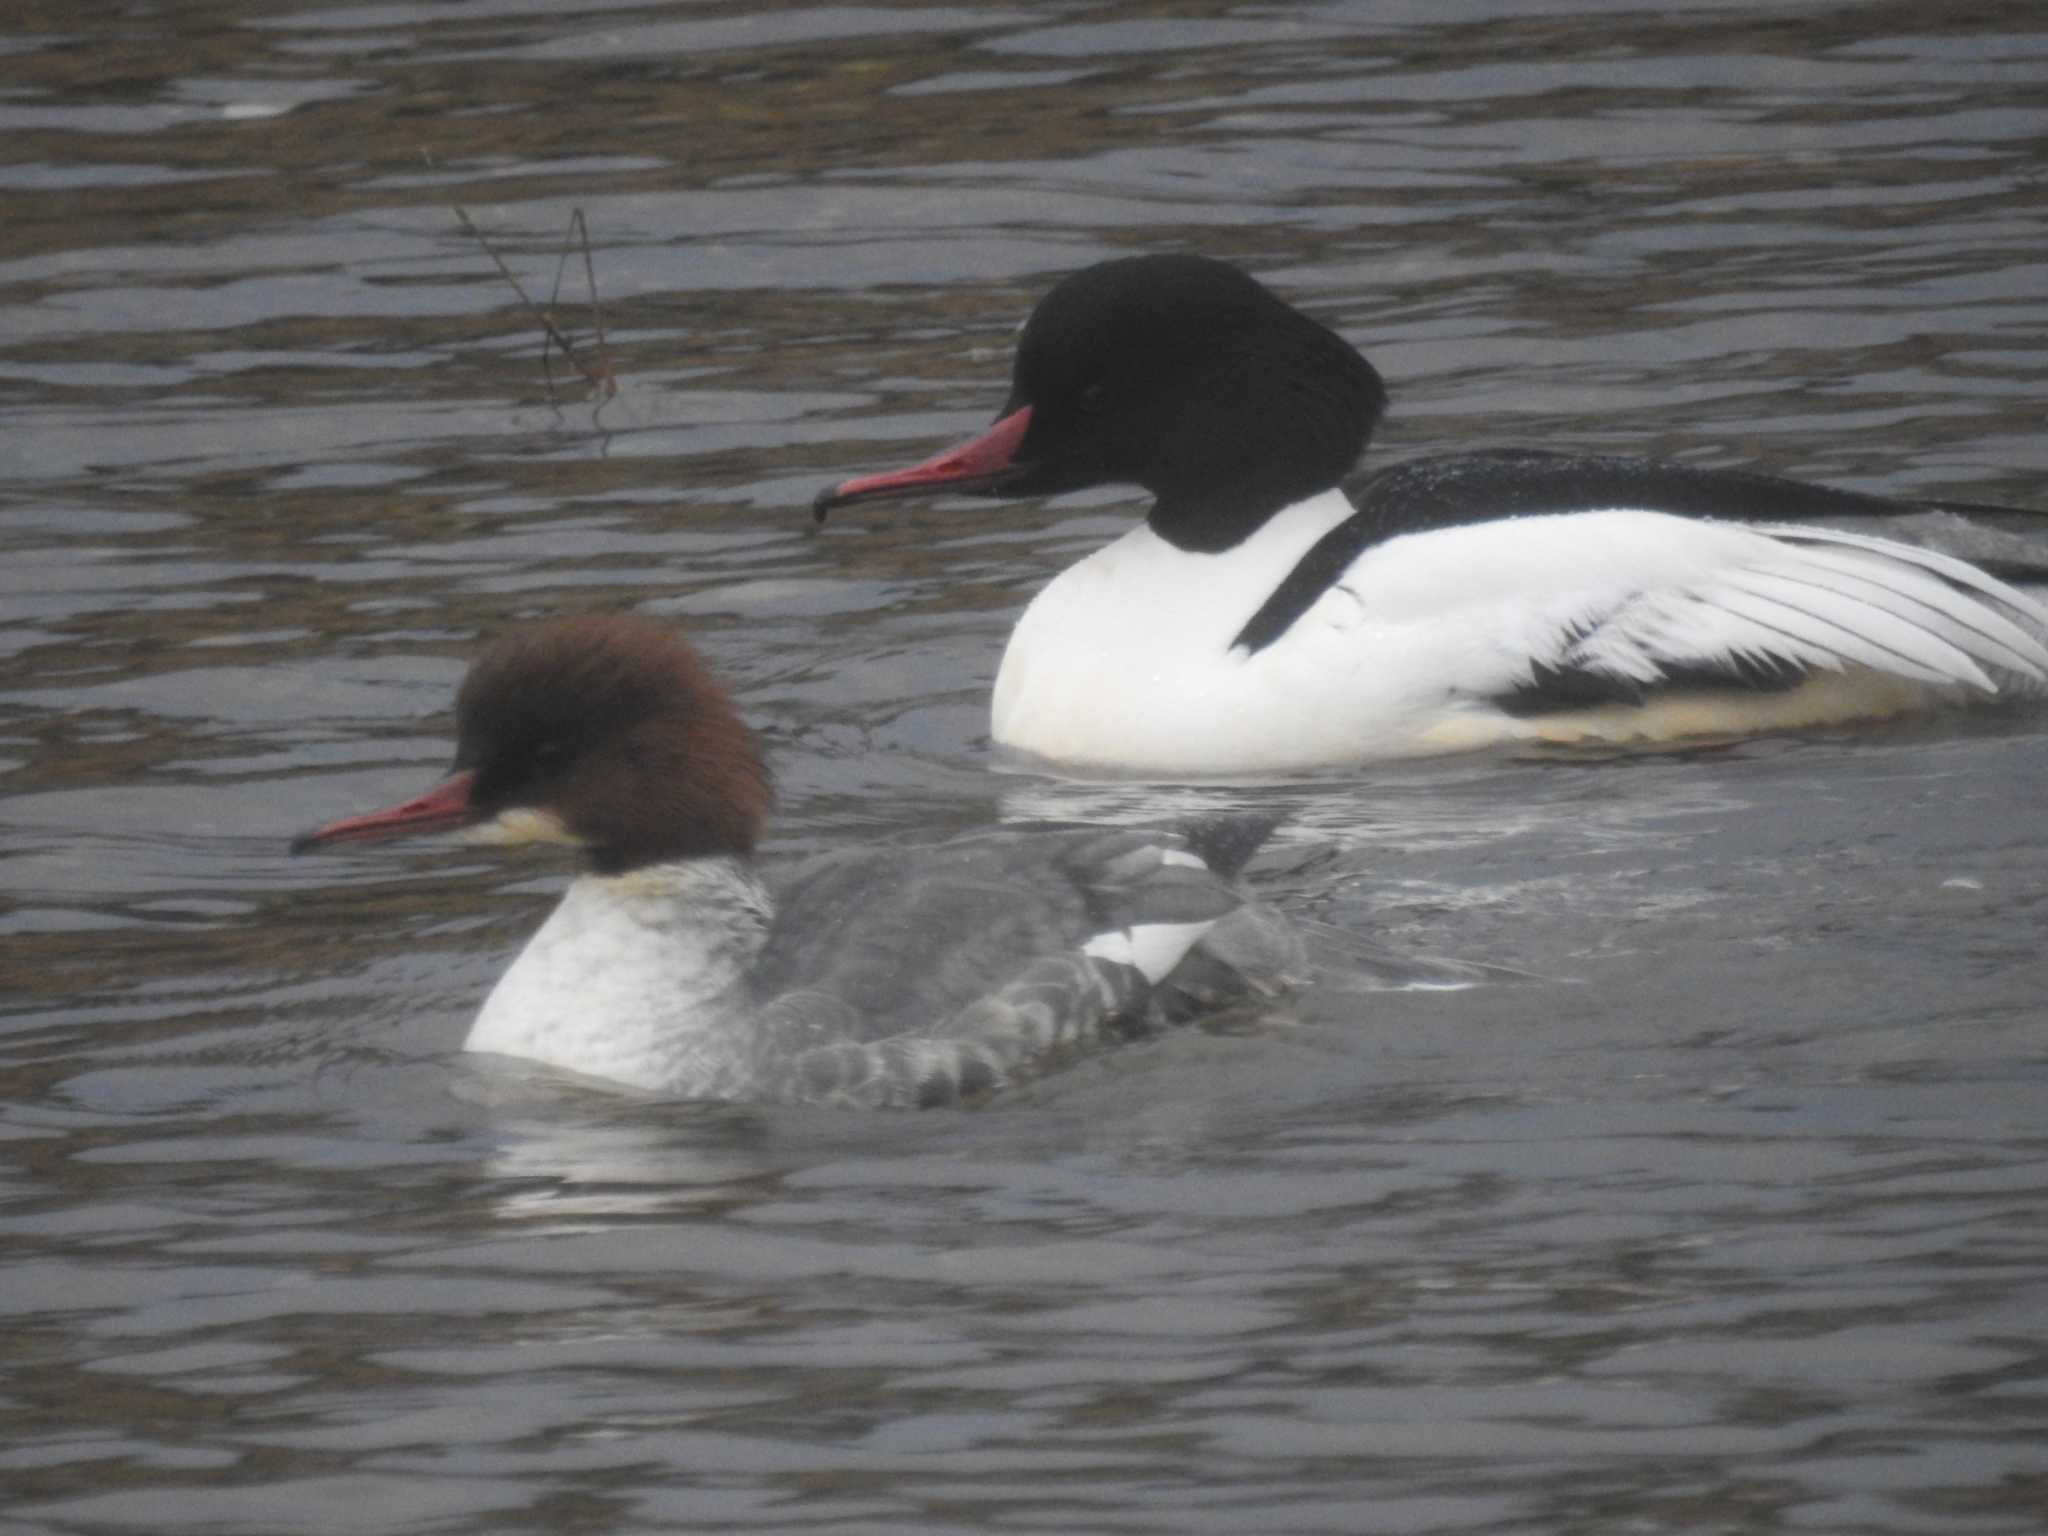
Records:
x=610, y=726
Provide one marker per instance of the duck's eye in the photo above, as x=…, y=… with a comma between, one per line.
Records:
x=1093, y=397
x=550, y=753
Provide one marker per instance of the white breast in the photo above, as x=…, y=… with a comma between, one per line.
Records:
x=637, y=978
x=1126, y=655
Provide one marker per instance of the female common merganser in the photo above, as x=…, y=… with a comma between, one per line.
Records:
x=880, y=978
x=1259, y=621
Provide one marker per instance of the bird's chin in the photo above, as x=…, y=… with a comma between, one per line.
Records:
x=518, y=826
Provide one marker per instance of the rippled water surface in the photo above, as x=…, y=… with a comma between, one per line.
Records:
x=1719, y=1204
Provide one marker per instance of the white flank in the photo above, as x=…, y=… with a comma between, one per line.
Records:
x=1126, y=661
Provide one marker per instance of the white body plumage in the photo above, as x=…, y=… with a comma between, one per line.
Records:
x=1127, y=658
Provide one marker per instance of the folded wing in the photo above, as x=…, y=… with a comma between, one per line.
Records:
x=927, y=979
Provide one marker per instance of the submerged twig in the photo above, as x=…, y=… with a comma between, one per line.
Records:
x=599, y=374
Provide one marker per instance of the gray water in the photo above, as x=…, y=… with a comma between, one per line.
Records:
x=1717, y=1205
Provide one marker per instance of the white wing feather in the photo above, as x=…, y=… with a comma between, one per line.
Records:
x=1820, y=599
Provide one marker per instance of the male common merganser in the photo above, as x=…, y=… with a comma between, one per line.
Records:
x=1258, y=620
x=881, y=977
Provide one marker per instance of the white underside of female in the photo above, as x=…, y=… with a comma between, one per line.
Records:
x=639, y=978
